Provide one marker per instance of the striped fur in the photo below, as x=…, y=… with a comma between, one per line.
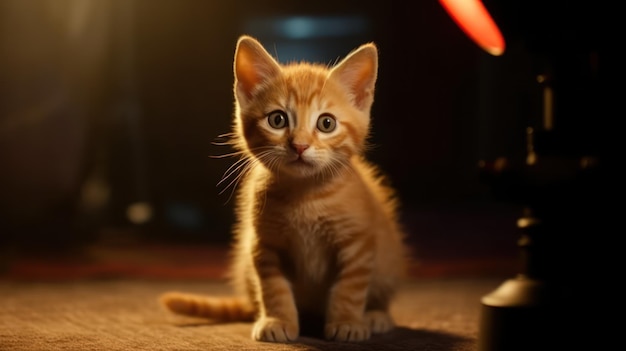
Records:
x=228, y=309
x=317, y=229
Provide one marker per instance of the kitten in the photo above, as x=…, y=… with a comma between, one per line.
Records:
x=317, y=230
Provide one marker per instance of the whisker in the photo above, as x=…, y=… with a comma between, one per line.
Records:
x=348, y=166
x=240, y=152
x=234, y=187
x=236, y=179
x=224, y=143
x=273, y=165
x=228, y=154
x=231, y=139
x=271, y=161
x=233, y=168
x=241, y=167
x=341, y=164
x=335, y=168
x=227, y=135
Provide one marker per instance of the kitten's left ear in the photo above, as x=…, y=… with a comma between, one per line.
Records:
x=357, y=72
x=253, y=66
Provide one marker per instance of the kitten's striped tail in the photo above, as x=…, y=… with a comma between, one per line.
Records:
x=226, y=309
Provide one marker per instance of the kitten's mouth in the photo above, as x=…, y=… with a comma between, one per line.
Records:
x=301, y=162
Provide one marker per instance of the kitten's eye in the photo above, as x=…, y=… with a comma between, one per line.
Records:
x=326, y=123
x=277, y=119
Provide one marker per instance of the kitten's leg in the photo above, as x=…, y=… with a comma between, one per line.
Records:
x=278, y=318
x=379, y=321
x=377, y=310
x=344, y=317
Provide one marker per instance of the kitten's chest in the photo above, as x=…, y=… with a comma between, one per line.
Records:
x=312, y=261
x=307, y=234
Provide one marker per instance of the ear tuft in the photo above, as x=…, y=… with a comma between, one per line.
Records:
x=357, y=72
x=253, y=65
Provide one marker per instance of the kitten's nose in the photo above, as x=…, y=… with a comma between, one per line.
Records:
x=299, y=148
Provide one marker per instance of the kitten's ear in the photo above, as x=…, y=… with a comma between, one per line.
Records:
x=253, y=65
x=357, y=72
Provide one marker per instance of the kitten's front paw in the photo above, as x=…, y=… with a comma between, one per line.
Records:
x=274, y=330
x=347, y=331
x=379, y=321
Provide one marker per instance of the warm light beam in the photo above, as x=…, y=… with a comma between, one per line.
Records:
x=476, y=22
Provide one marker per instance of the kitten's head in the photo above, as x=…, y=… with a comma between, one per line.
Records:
x=302, y=119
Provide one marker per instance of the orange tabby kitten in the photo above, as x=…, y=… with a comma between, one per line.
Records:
x=317, y=232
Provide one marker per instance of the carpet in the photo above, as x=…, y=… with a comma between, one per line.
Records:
x=123, y=314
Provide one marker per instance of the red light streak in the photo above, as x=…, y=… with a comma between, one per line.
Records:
x=474, y=19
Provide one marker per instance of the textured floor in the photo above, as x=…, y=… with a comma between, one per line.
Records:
x=431, y=313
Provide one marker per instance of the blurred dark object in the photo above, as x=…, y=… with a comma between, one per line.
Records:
x=561, y=181
x=53, y=62
x=91, y=149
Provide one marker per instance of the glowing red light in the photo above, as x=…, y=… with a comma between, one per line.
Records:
x=472, y=17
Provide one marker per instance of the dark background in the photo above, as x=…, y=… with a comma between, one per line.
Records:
x=104, y=104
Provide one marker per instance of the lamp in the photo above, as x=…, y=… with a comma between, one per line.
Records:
x=560, y=182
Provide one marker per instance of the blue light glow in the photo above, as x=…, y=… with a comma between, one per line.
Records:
x=309, y=27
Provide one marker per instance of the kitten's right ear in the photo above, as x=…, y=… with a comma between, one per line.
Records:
x=253, y=65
